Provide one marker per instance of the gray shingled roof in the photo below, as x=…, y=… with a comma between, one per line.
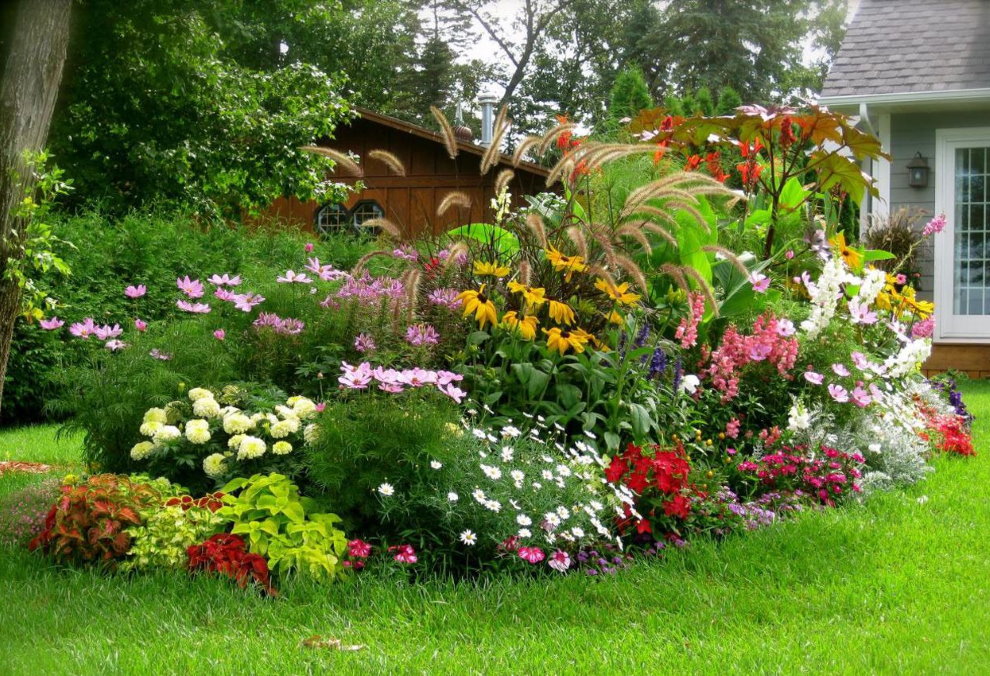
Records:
x=895, y=46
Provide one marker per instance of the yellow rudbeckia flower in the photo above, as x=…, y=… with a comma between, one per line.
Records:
x=525, y=326
x=480, y=305
x=562, y=263
x=852, y=258
x=562, y=341
x=615, y=317
x=620, y=294
x=561, y=313
x=483, y=269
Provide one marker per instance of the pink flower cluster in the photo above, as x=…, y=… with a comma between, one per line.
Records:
x=445, y=298
x=771, y=341
x=418, y=335
x=245, y=302
x=360, y=377
x=935, y=226
x=826, y=478
x=368, y=289
x=687, y=331
x=287, y=326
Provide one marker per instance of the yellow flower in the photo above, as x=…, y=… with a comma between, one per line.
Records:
x=534, y=297
x=561, y=313
x=526, y=326
x=568, y=264
x=614, y=317
x=852, y=258
x=478, y=303
x=561, y=341
x=619, y=294
x=483, y=269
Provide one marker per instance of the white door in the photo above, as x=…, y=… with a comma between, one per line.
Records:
x=962, y=250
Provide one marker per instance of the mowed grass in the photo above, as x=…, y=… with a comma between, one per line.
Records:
x=900, y=584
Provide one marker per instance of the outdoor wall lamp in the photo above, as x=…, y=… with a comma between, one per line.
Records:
x=918, y=171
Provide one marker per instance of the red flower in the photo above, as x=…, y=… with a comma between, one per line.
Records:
x=678, y=506
x=359, y=549
x=644, y=526
x=692, y=163
x=616, y=469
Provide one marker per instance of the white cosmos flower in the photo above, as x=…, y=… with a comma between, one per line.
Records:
x=386, y=489
x=469, y=538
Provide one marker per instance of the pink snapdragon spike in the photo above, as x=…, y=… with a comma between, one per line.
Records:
x=83, y=329
x=814, y=378
x=839, y=393
x=140, y=325
x=531, y=554
x=687, y=330
x=418, y=335
x=403, y=553
x=225, y=280
x=308, y=248
x=193, y=288
x=364, y=342
x=935, y=226
x=560, y=561
x=158, y=354
x=861, y=314
x=840, y=370
x=195, y=308
x=732, y=428
x=114, y=345
x=247, y=302
x=51, y=324
x=135, y=291
x=760, y=282
x=290, y=277
x=106, y=332
x=220, y=334
x=445, y=298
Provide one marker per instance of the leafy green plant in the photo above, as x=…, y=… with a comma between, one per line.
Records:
x=281, y=525
x=162, y=540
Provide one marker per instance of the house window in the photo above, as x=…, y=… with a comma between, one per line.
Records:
x=365, y=211
x=332, y=218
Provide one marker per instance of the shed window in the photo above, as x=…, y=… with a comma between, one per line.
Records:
x=331, y=218
x=365, y=211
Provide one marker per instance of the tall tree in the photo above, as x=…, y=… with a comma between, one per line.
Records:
x=32, y=63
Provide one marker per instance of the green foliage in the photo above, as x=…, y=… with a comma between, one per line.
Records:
x=161, y=541
x=629, y=94
x=281, y=525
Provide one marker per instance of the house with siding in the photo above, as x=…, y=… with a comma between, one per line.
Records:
x=917, y=73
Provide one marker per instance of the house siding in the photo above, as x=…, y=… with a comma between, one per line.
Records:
x=913, y=133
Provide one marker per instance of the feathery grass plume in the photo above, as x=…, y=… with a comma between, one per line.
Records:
x=677, y=274
x=455, y=198
x=646, y=210
x=391, y=160
x=387, y=226
x=600, y=271
x=729, y=256
x=634, y=272
x=633, y=232
x=535, y=223
x=492, y=154
x=691, y=209
x=342, y=160
x=576, y=235
x=563, y=167
x=552, y=135
x=657, y=229
x=521, y=149
x=503, y=179
x=525, y=272
x=456, y=249
x=605, y=242
x=411, y=279
x=447, y=131
x=363, y=260
x=703, y=285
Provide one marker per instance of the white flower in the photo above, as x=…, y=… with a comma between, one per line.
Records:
x=149, y=428
x=563, y=512
x=214, y=466
x=197, y=393
x=510, y=431
x=206, y=408
x=479, y=495
x=517, y=475
x=547, y=475
x=235, y=441
x=284, y=428
x=578, y=532
x=198, y=431
x=798, y=417
x=469, y=538
x=303, y=408
x=874, y=448
x=563, y=470
x=523, y=520
x=166, y=433
x=552, y=519
x=281, y=448
x=155, y=415
x=285, y=411
x=436, y=464
x=478, y=434
x=238, y=423
x=923, y=499
x=537, y=485
x=689, y=384
x=142, y=450
x=493, y=505
x=453, y=497
x=507, y=454
x=597, y=506
x=525, y=533
x=386, y=489
x=250, y=448
x=311, y=433
x=492, y=473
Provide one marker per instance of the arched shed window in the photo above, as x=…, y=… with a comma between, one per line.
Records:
x=335, y=217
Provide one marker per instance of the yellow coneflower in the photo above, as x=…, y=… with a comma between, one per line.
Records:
x=484, y=269
x=478, y=303
x=525, y=326
x=562, y=341
x=562, y=263
x=615, y=317
x=852, y=258
x=620, y=294
x=561, y=313
x=534, y=297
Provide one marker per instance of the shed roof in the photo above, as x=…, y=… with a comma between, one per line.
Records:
x=911, y=46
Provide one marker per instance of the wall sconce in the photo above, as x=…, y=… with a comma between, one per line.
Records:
x=918, y=171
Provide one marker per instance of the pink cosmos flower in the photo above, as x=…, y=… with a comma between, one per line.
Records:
x=839, y=393
x=83, y=329
x=355, y=377
x=141, y=326
x=290, y=277
x=325, y=272
x=759, y=351
x=531, y=554
x=861, y=314
x=790, y=254
x=193, y=288
x=135, y=291
x=861, y=397
x=840, y=370
x=417, y=377
x=225, y=294
x=51, y=324
x=814, y=378
x=391, y=388
x=560, y=561
x=422, y=334
x=900, y=279
x=158, y=354
x=309, y=247
x=860, y=360
x=404, y=553
x=785, y=328
x=220, y=334
x=760, y=282
x=448, y=377
x=934, y=226
x=114, y=345
x=454, y=392
x=247, y=302
x=224, y=280
x=105, y=332
x=321, y=407
x=195, y=308
x=364, y=342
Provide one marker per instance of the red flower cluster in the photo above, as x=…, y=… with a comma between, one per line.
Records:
x=227, y=554
x=210, y=501
x=660, y=476
x=825, y=478
x=712, y=163
x=358, y=551
x=749, y=171
x=951, y=434
x=404, y=553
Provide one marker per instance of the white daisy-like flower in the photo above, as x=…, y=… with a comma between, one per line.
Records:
x=436, y=464
x=547, y=475
x=479, y=495
x=563, y=470
x=493, y=505
x=537, y=485
x=386, y=489
x=469, y=538
x=597, y=506
x=478, y=434
x=517, y=475
x=507, y=454
x=523, y=520
x=493, y=473
x=525, y=533
x=552, y=519
x=453, y=497
x=577, y=532
x=563, y=512
x=284, y=428
x=510, y=431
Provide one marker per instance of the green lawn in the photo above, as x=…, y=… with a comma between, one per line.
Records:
x=898, y=585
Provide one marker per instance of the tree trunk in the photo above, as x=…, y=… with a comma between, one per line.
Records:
x=31, y=77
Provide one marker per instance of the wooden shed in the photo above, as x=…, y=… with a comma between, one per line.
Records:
x=409, y=201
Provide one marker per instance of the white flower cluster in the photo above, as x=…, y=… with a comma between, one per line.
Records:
x=908, y=359
x=825, y=294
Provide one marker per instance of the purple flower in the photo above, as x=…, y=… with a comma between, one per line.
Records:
x=195, y=308
x=287, y=326
x=135, y=291
x=193, y=288
x=860, y=360
x=225, y=294
x=220, y=334
x=935, y=226
x=364, y=343
x=406, y=253
x=51, y=324
x=445, y=298
x=923, y=329
x=814, y=378
x=422, y=334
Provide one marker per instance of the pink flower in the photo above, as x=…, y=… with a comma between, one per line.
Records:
x=220, y=334
x=308, y=248
x=861, y=397
x=840, y=370
x=923, y=329
x=364, y=342
x=325, y=272
x=861, y=314
x=814, y=378
x=224, y=280
x=448, y=377
x=454, y=392
x=290, y=277
x=790, y=254
x=247, y=302
x=444, y=298
x=195, y=308
x=359, y=549
x=355, y=377
x=104, y=332
x=901, y=279
x=531, y=554
x=422, y=334
x=193, y=288
x=785, y=328
x=934, y=226
x=135, y=291
x=140, y=325
x=158, y=354
x=560, y=561
x=406, y=253
x=114, y=345
x=760, y=282
x=322, y=406
x=83, y=329
x=225, y=294
x=732, y=428
x=417, y=377
x=51, y=324
x=838, y=393
x=404, y=553
x=687, y=330
x=759, y=351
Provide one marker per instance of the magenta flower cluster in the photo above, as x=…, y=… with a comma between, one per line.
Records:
x=286, y=326
x=362, y=376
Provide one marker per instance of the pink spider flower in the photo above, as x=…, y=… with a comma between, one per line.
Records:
x=444, y=298
x=422, y=334
x=364, y=342
x=135, y=291
x=193, y=288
